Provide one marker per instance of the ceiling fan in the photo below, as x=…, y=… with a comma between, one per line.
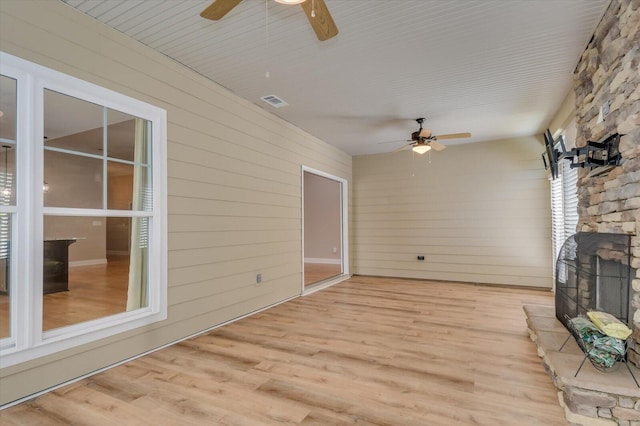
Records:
x=316, y=11
x=422, y=140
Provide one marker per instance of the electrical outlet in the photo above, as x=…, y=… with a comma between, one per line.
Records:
x=335, y=250
x=420, y=257
x=259, y=279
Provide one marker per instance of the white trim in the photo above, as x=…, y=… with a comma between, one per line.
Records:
x=27, y=340
x=319, y=260
x=344, y=228
x=88, y=262
x=21, y=335
x=60, y=211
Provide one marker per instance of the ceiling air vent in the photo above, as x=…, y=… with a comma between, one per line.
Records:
x=274, y=101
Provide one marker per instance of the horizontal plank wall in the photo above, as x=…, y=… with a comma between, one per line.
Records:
x=477, y=213
x=234, y=185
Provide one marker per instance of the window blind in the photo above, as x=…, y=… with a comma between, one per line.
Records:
x=569, y=198
x=564, y=207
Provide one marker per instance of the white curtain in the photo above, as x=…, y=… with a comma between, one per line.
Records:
x=138, y=262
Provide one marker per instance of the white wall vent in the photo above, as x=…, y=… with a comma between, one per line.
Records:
x=274, y=101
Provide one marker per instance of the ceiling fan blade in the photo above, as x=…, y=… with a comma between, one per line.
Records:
x=386, y=142
x=218, y=9
x=322, y=23
x=436, y=145
x=453, y=136
x=403, y=147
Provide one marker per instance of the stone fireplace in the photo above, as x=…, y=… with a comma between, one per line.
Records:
x=608, y=73
x=607, y=101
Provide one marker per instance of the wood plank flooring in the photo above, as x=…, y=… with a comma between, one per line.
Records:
x=369, y=351
x=315, y=272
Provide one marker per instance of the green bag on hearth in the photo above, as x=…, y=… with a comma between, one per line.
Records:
x=602, y=350
x=606, y=350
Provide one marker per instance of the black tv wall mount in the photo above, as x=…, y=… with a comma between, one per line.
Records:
x=594, y=154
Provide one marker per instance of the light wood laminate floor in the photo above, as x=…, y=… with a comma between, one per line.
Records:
x=371, y=351
x=316, y=272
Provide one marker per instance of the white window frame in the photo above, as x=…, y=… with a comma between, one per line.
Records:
x=27, y=340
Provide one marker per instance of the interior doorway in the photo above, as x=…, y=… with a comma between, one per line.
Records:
x=324, y=228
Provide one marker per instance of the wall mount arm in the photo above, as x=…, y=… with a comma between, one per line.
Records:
x=596, y=154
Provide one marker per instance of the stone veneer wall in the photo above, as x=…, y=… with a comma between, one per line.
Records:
x=609, y=71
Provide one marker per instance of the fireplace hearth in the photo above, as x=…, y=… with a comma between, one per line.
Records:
x=593, y=272
x=591, y=397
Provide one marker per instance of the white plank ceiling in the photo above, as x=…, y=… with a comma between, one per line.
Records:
x=495, y=68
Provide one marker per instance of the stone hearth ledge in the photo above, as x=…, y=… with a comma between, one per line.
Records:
x=594, y=397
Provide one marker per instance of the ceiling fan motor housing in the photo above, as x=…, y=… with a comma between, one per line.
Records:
x=421, y=135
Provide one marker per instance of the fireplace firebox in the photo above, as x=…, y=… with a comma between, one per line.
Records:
x=593, y=272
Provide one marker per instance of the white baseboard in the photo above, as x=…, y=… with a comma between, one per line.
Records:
x=319, y=260
x=87, y=262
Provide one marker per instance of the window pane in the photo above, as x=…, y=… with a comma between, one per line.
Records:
x=8, y=122
x=127, y=137
x=8, y=107
x=93, y=267
x=7, y=175
x=119, y=186
x=5, y=275
x=143, y=191
x=73, y=124
x=129, y=187
x=72, y=180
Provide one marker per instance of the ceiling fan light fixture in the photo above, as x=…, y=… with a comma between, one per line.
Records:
x=421, y=148
x=290, y=1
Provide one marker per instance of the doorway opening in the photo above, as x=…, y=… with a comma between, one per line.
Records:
x=325, y=247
